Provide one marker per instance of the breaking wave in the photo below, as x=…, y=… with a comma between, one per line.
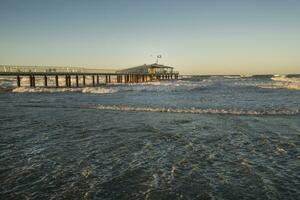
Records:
x=95, y=90
x=283, y=82
x=124, y=108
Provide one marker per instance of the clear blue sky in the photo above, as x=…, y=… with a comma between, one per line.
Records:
x=195, y=36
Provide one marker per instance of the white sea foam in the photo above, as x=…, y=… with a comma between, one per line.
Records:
x=246, y=75
x=233, y=77
x=290, y=83
x=98, y=90
x=282, y=82
x=6, y=83
x=125, y=108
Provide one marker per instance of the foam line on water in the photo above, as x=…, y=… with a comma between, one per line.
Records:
x=125, y=108
x=282, y=82
x=96, y=90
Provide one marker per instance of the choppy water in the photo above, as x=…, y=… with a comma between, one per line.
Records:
x=197, y=138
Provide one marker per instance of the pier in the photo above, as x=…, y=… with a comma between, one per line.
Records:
x=78, y=77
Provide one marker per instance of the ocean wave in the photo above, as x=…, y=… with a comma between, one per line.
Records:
x=125, y=108
x=95, y=90
x=282, y=82
x=6, y=83
x=232, y=77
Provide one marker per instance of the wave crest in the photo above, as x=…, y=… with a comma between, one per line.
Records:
x=94, y=90
x=197, y=110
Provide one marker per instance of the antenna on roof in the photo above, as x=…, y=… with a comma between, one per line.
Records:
x=157, y=57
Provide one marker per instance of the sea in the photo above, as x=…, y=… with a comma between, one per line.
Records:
x=199, y=137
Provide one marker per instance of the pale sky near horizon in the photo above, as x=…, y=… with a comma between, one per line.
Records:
x=194, y=36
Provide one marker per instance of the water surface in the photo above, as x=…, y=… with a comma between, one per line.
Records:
x=197, y=138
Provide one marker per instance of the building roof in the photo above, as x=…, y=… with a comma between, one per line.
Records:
x=154, y=65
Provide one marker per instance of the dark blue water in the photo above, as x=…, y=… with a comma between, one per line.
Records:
x=198, y=138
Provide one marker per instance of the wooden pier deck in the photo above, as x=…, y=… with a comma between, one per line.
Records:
x=80, y=78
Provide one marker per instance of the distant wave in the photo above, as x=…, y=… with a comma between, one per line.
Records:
x=283, y=82
x=125, y=108
x=96, y=90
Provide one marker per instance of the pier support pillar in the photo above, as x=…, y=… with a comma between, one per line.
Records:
x=97, y=79
x=18, y=81
x=93, y=77
x=67, y=82
x=30, y=80
x=77, y=83
x=56, y=81
x=83, y=80
x=45, y=81
x=33, y=81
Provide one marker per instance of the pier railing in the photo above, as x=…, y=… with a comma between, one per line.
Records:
x=65, y=69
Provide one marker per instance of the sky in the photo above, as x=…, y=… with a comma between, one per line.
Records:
x=194, y=36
